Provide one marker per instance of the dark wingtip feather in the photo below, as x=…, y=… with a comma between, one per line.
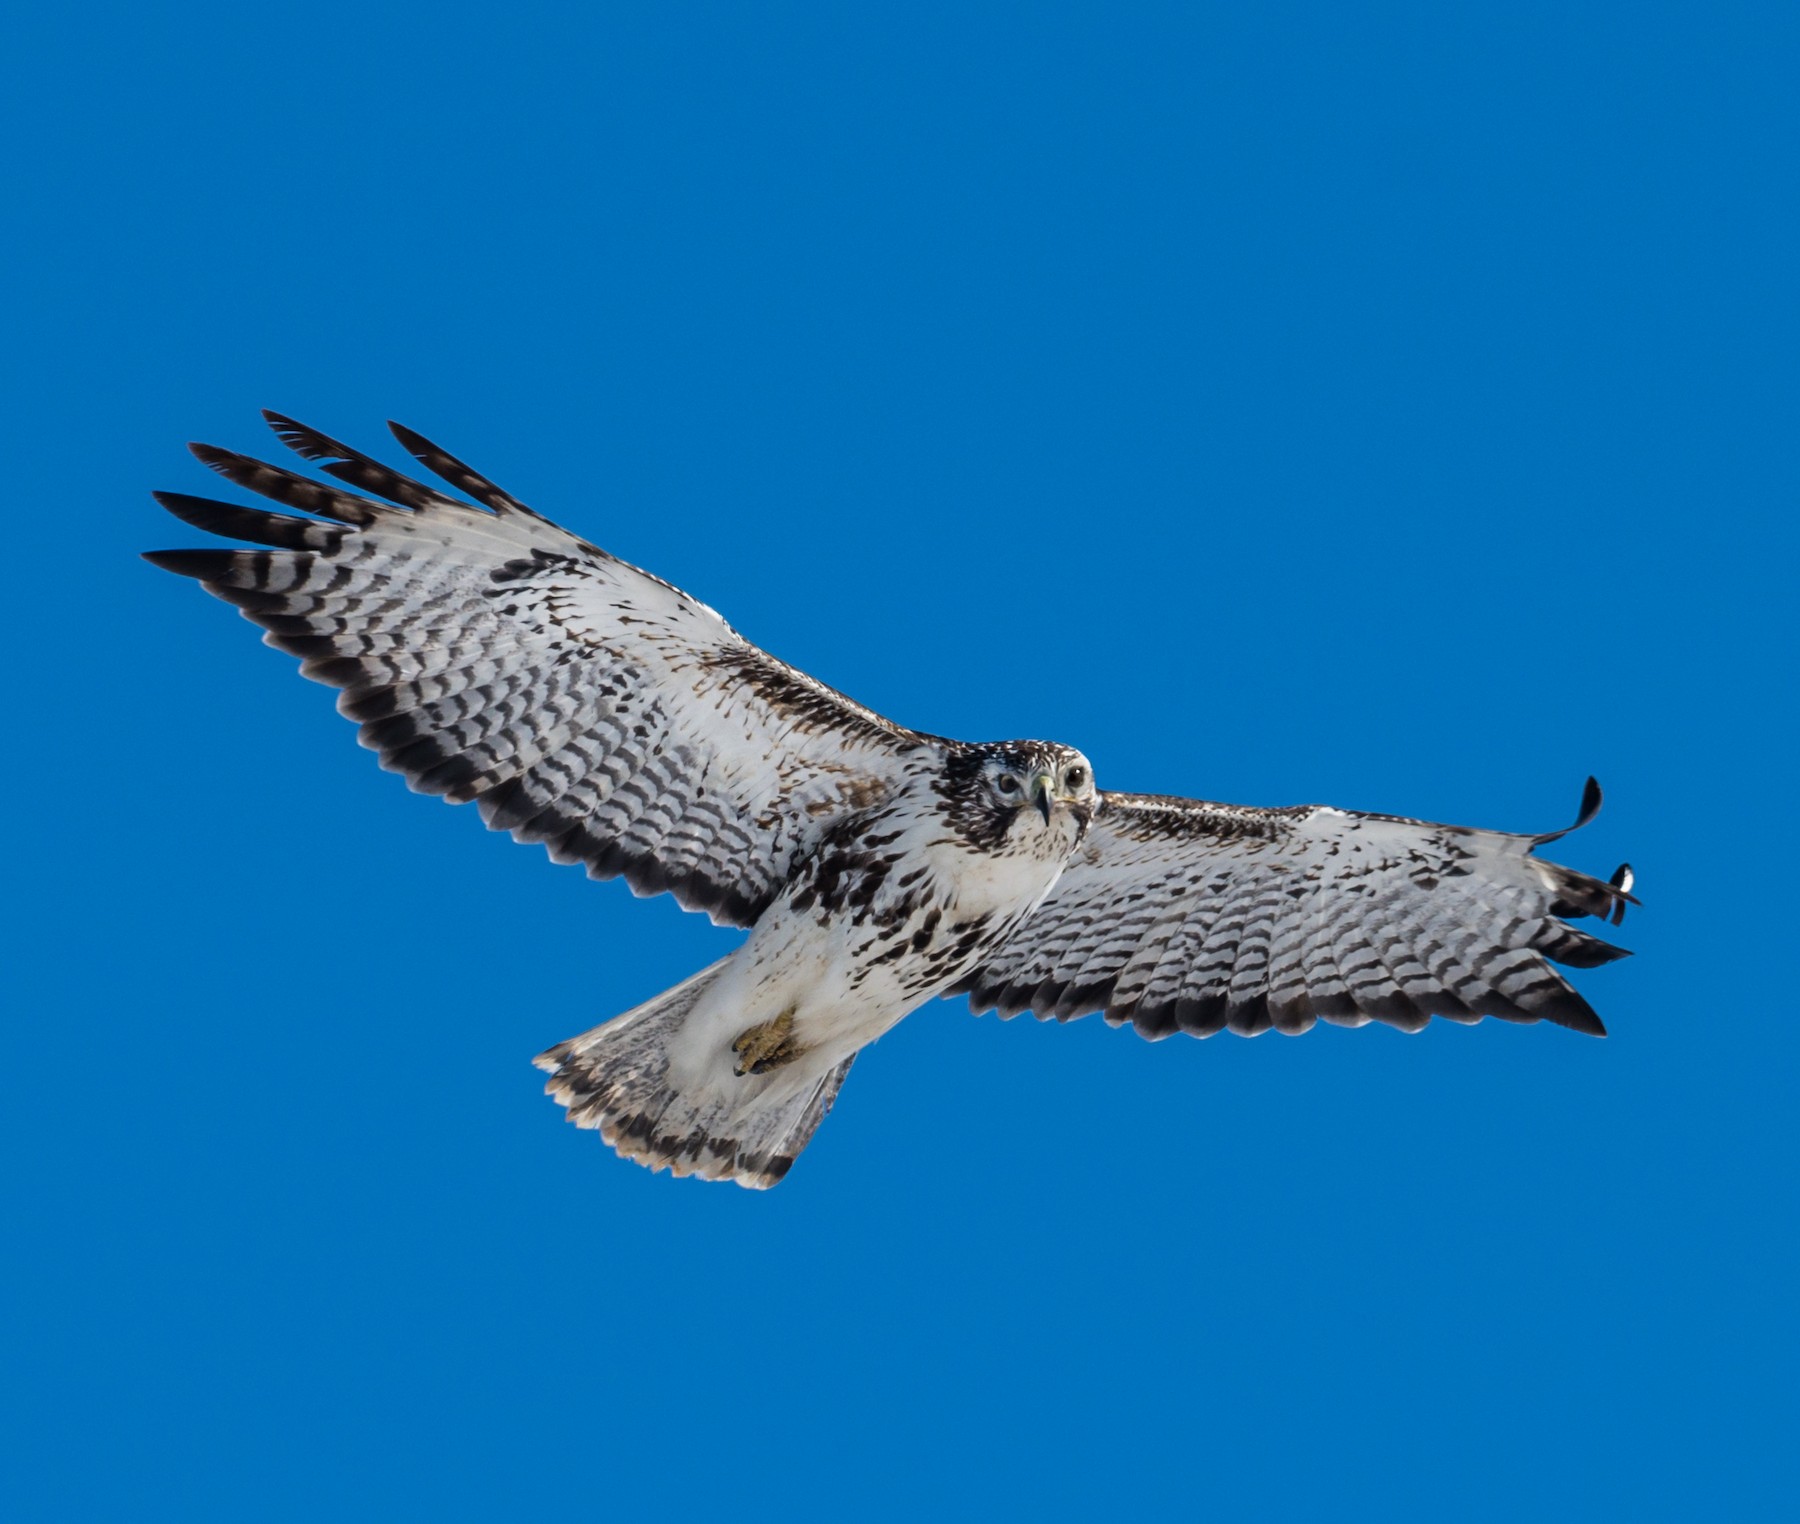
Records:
x=252, y=524
x=1567, y=1007
x=417, y=445
x=460, y=475
x=338, y=459
x=189, y=563
x=202, y=512
x=1622, y=880
x=305, y=442
x=1590, y=807
x=287, y=487
x=1594, y=1028
x=1575, y=949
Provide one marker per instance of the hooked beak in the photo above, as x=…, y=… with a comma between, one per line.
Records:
x=1040, y=794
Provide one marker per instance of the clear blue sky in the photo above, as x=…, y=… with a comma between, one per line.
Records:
x=1392, y=406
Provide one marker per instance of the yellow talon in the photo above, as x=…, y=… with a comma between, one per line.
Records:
x=768, y=1046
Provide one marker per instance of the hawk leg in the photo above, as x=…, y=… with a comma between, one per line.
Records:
x=767, y=1046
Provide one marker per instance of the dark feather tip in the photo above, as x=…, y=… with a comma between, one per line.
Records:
x=1622, y=880
x=465, y=478
x=412, y=440
x=305, y=442
x=252, y=524
x=1577, y=1015
x=1590, y=807
x=189, y=563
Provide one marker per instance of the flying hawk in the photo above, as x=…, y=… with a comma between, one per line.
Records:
x=493, y=658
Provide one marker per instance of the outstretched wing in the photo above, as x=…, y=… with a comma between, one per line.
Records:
x=1178, y=915
x=577, y=701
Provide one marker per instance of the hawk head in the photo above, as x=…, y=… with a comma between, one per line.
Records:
x=1031, y=796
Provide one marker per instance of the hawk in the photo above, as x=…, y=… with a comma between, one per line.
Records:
x=495, y=659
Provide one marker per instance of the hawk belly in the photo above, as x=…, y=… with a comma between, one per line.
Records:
x=882, y=917
x=729, y=1074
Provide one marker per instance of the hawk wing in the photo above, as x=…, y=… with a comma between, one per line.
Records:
x=1178, y=915
x=577, y=701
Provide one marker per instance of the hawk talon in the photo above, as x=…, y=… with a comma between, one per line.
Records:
x=766, y=1046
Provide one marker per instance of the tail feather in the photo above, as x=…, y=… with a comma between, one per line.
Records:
x=620, y=1079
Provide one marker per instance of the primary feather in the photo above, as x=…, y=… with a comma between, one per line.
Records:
x=492, y=657
x=1177, y=915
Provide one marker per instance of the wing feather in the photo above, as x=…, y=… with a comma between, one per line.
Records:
x=491, y=657
x=1180, y=915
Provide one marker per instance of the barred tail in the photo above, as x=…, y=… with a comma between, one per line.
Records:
x=713, y=1123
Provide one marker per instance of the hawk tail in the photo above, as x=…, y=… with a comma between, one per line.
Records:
x=625, y=1078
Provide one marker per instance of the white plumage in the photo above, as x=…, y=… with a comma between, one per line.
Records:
x=492, y=657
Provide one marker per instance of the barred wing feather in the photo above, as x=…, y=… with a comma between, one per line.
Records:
x=492, y=657
x=1179, y=915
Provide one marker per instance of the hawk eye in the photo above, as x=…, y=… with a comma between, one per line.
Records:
x=1008, y=784
x=1077, y=776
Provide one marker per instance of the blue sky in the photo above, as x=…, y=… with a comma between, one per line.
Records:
x=1389, y=406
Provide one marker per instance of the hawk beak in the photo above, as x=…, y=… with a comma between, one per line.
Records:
x=1040, y=794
